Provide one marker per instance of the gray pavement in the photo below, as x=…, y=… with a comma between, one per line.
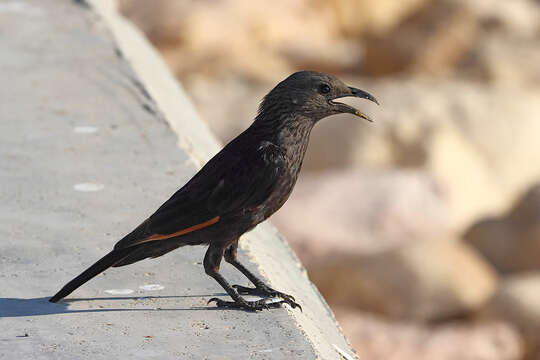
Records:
x=86, y=154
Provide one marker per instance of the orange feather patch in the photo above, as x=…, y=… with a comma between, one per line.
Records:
x=183, y=231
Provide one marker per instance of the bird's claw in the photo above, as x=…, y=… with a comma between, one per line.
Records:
x=248, y=305
x=265, y=291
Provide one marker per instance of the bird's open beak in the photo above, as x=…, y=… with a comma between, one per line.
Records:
x=344, y=108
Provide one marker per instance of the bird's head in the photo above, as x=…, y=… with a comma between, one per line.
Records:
x=313, y=95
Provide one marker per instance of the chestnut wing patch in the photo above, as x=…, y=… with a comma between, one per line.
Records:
x=183, y=231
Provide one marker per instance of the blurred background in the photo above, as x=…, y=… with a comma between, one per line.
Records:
x=422, y=229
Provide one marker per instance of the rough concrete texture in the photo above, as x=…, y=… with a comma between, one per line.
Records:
x=86, y=153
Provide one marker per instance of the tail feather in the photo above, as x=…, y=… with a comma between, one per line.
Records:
x=101, y=265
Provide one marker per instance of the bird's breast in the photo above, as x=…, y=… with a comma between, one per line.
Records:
x=279, y=196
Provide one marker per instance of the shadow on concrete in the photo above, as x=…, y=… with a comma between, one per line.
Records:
x=70, y=300
x=17, y=307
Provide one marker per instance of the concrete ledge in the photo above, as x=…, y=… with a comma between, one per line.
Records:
x=87, y=152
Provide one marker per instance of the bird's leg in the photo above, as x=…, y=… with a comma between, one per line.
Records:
x=260, y=289
x=212, y=259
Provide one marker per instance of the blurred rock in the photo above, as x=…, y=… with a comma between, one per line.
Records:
x=521, y=18
x=518, y=301
x=429, y=280
x=511, y=243
x=250, y=39
x=480, y=39
x=262, y=41
x=478, y=142
x=356, y=213
x=380, y=241
x=506, y=60
x=507, y=51
x=375, y=338
x=258, y=41
x=356, y=17
x=431, y=41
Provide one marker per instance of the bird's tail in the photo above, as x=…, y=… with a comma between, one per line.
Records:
x=102, y=264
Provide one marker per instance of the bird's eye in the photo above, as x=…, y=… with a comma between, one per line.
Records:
x=324, y=88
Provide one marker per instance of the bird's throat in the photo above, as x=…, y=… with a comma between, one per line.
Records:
x=293, y=137
x=290, y=133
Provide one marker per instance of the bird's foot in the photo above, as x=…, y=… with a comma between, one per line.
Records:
x=265, y=291
x=247, y=305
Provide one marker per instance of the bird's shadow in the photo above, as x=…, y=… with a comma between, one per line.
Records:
x=17, y=307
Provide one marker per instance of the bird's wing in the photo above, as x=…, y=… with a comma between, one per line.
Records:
x=249, y=181
x=228, y=183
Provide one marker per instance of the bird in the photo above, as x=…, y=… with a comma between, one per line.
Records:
x=241, y=186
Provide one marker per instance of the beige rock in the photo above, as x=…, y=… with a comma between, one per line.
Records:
x=485, y=39
x=511, y=243
x=365, y=16
x=251, y=39
x=429, y=280
x=478, y=142
x=357, y=213
x=463, y=173
x=379, y=241
x=375, y=338
x=505, y=60
x=432, y=41
x=259, y=41
x=520, y=18
x=518, y=301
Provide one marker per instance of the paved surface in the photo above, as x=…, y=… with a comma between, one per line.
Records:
x=85, y=156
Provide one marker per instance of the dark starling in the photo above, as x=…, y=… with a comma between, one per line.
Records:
x=241, y=186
